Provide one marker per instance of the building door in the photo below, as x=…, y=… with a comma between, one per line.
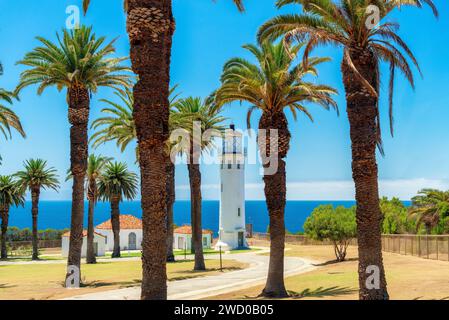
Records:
x=181, y=243
x=132, y=241
x=96, y=249
x=241, y=239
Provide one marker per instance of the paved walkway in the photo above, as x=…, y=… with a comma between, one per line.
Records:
x=203, y=287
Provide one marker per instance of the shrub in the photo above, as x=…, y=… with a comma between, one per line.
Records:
x=337, y=225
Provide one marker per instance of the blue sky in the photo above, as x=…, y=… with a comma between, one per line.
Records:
x=209, y=33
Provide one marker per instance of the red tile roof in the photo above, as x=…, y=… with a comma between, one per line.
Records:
x=188, y=230
x=126, y=222
x=67, y=234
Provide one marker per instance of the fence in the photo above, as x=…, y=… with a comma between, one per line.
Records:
x=43, y=244
x=297, y=239
x=424, y=246
x=434, y=247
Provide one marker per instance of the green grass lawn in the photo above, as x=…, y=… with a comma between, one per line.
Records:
x=45, y=281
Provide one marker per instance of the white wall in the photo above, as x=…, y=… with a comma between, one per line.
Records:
x=98, y=240
x=124, y=238
x=186, y=239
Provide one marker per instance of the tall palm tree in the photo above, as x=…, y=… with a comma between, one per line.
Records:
x=35, y=177
x=150, y=26
x=80, y=63
x=11, y=194
x=272, y=85
x=116, y=184
x=428, y=207
x=118, y=125
x=191, y=112
x=346, y=24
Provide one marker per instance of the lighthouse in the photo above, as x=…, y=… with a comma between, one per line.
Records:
x=232, y=230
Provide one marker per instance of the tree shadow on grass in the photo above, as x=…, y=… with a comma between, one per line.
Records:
x=6, y=286
x=308, y=293
x=330, y=262
x=100, y=284
x=322, y=292
x=191, y=274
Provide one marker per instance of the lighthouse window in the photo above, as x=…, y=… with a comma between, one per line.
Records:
x=240, y=212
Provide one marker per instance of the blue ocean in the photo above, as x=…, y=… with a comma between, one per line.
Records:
x=56, y=214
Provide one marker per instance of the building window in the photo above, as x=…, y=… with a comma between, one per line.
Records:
x=229, y=166
x=238, y=166
x=222, y=188
x=205, y=242
x=106, y=240
x=240, y=212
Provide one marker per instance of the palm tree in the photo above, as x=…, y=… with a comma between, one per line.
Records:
x=150, y=26
x=272, y=85
x=191, y=112
x=8, y=119
x=428, y=207
x=117, y=183
x=81, y=63
x=95, y=166
x=11, y=194
x=35, y=177
x=346, y=24
x=118, y=125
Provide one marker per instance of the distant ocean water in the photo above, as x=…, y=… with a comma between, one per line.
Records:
x=56, y=214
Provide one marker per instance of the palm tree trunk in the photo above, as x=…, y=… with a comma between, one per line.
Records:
x=5, y=217
x=275, y=193
x=115, y=221
x=35, y=212
x=79, y=101
x=90, y=254
x=150, y=28
x=170, y=202
x=195, y=202
x=364, y=130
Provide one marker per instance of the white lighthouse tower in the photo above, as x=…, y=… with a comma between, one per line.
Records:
x=232, y=229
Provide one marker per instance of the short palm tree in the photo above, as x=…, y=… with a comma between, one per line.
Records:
x=348, y=24
x=272, y=85
x=11, y=194
x=36, y=177
x=118, y=125
x=80, y=63
x=428, y=207
x=116, y=184
x=95, y=167
x=191, y=112
x=150, y=26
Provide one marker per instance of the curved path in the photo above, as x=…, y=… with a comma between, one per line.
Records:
x=203, y=287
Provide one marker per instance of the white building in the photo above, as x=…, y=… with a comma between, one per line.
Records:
x=182, y=238
x=99, y=244
x=130, y=233
x=232, y=229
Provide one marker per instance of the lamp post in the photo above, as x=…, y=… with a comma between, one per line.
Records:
x=220, y=244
